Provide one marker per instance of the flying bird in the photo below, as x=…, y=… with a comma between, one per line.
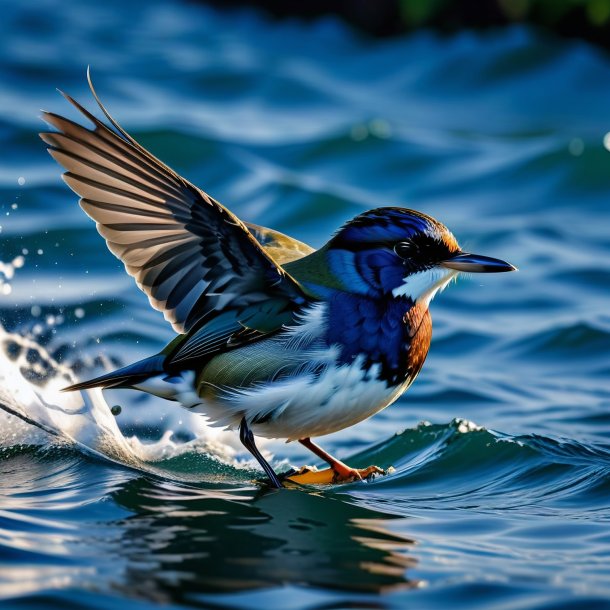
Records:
x=274, y=338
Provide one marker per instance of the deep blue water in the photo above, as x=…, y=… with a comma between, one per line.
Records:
x=501, y=492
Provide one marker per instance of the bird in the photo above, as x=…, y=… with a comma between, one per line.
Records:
x=274, y=338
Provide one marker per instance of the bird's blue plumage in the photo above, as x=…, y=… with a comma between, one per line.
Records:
x=384, y=225
x=373, y=271
x=363, y=255
x=376, y=329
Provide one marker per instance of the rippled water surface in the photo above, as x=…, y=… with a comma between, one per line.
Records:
x=501, y=492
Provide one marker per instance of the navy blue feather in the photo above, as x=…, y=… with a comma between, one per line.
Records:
x=375, y=329
x=373, y=272
x=383, y=225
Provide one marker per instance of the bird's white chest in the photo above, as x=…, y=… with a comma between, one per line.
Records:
x=309, y=405
x=322, y=396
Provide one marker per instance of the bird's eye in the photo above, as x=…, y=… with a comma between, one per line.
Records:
x=405, y=249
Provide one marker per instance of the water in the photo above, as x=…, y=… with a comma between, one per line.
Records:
x=501, y=491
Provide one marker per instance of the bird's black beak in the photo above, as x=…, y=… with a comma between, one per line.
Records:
x=475, y=263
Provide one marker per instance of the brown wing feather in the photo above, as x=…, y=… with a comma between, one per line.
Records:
x=188, y=253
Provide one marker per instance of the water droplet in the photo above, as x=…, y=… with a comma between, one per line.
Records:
x=40, y=251
x=21, y=181
x=79, y=312
x=380, y=128
x=35, y=310
x=607, y=141
x=359, y=132
x=576, y=147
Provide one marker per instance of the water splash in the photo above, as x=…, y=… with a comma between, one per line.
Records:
x=7, y=272
x=38, y=413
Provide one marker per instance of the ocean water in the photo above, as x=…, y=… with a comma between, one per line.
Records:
x=500, y=498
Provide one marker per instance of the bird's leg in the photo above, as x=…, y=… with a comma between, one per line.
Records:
x=247, y=439
x=338, y=473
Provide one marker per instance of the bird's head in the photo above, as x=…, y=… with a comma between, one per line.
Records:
x=399, y=252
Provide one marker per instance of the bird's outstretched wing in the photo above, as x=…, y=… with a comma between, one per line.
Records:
x=193, y=258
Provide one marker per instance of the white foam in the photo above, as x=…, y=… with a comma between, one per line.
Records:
x=38, y=413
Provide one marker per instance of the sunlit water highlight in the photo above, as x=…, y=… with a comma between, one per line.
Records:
x=500, y=135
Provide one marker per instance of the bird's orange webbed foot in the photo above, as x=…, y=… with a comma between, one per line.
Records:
x=338, y=473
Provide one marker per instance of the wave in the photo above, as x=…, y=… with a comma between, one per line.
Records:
x=458, y=462
x=39, y=414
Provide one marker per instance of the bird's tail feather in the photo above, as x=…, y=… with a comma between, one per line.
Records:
x=124, y=377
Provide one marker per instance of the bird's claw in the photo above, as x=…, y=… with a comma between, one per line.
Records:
x=362, y=474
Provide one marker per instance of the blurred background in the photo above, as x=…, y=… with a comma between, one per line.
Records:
x=587, y=19
x=493, y=117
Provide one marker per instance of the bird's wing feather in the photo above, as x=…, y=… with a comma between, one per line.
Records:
x=190, y=255
x=229, y=329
